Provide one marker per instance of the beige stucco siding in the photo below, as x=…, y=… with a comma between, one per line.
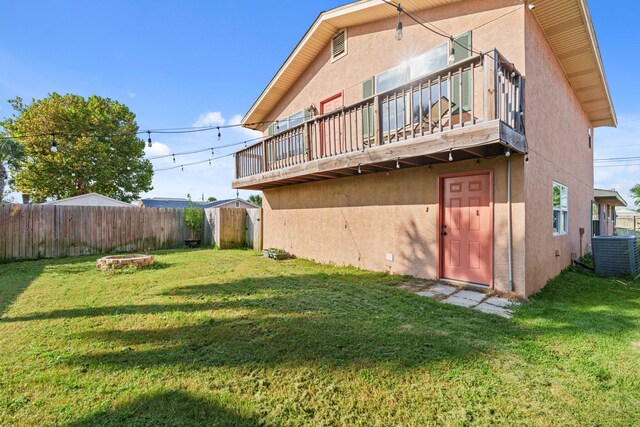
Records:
x=557, y=134
x=373, y=49
x=359, y=220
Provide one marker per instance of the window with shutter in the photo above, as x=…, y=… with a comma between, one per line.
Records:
x=368, y=90
x=462, y=50
x=339, y=45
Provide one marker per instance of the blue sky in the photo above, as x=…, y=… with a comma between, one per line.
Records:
x=181, y=63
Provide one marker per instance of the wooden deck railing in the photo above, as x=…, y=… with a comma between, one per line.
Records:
x=478, y=89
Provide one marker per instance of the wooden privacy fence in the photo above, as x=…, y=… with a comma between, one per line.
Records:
x=53, y=231
x=50, y=231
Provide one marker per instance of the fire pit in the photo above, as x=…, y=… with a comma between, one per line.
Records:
x=121, y=261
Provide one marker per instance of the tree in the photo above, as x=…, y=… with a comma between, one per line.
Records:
x=211, y=199
x=11, y=154
x=97, y=148
x=635, y=193
x=256, y=199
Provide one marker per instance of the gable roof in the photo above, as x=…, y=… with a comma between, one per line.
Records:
x=610, y=197
x=566, y=24
x=569, y=30
x=177, y=203
x=89, y=196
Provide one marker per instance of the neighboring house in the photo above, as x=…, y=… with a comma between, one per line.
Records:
x=90, y=199
x=410, y=156
x=604, y=211
x=627, y=222
x=164, y=202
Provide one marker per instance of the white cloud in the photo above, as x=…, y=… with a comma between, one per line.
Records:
x=212, y=118
x=157, y=149
x=132, y=94
x=235, y=120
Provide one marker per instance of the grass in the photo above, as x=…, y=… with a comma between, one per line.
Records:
x=208, y=337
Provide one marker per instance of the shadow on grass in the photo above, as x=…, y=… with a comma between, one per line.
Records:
x=15, y=277
x=168, y=408
x=331, y=319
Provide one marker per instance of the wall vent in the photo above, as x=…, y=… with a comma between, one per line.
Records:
x=339, y=44
x=615, y=255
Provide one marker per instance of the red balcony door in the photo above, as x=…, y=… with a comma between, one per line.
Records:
x=331, y=127
x=467, y=228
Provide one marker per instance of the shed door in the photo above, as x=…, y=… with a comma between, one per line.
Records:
x=467, y=238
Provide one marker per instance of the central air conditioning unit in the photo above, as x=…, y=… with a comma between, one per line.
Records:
x=615, y=255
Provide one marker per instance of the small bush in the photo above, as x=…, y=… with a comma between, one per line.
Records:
x=193, y=216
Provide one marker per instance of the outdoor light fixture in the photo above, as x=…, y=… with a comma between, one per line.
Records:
x=531, y=6
x=149, y=144
x=359, y=170
x=452, y=52
x=451, y=155
x=399, y=25
x=398, y=164
x=507, y=152
x=54, y=145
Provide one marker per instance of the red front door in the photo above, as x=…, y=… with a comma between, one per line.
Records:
x=467, y=231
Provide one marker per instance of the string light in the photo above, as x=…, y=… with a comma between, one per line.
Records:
x=174, y=158
x=399, y=25
x=398, y=163
x=54, y=145
x=219, y=134
x=202, y=150
x=182, y=167
x=452, y=51
x=451, y=155
x=149, y=144
x=359, y=170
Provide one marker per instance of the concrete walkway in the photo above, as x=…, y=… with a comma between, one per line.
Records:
x=464, y=297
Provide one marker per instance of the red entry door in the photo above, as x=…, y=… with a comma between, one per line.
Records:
x=467, y=232
x=331, y=128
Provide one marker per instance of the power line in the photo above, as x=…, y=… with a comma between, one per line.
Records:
x=616, y=166
x=617, y=159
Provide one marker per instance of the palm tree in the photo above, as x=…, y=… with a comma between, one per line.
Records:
x=11, y=154
x=256, y=199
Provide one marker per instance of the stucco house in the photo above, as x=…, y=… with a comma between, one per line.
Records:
x=604, y=211
x=441, y=139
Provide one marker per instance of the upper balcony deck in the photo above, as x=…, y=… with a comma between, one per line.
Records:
x=473, y=108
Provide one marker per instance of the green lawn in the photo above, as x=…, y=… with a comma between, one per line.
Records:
x=229, y=338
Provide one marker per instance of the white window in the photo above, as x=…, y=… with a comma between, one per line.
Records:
x=339, y=45
x=392, y=78
x=429, y=62
x=560, y=209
